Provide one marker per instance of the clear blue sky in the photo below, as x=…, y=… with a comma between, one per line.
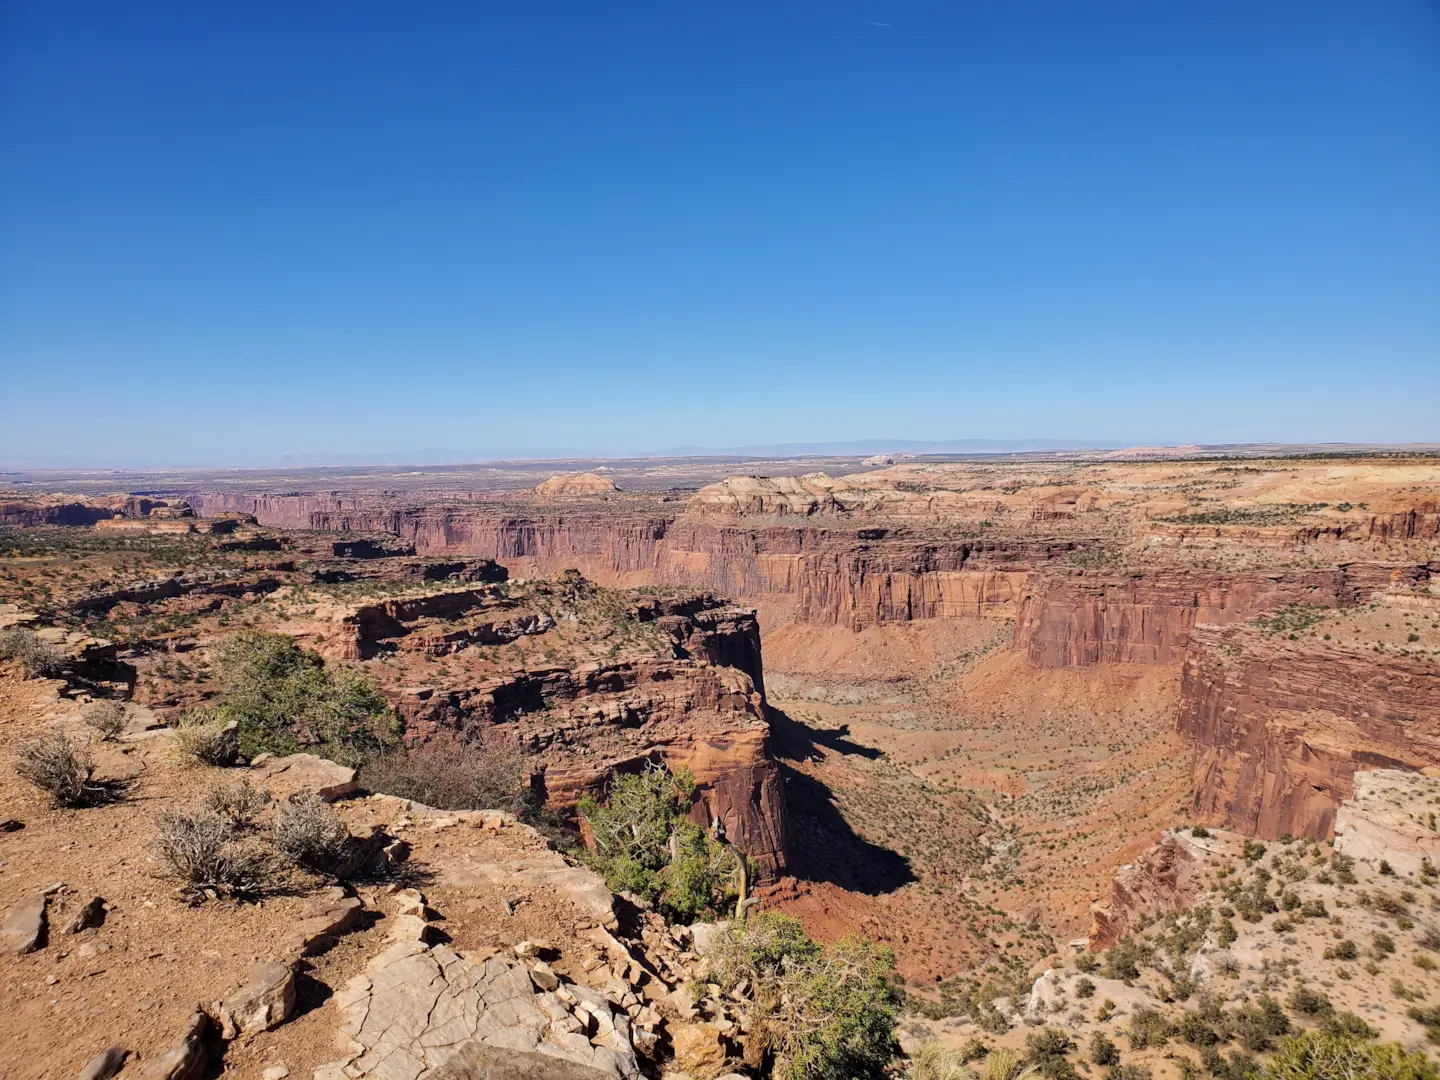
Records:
x=233, y=231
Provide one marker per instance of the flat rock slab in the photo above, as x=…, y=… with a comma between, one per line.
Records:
x=23, y=929
x=583, y=888
x=418, y=1011
x=304, y=774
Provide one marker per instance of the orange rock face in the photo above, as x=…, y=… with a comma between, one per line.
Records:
x=1077, y=618
x=1280, y=727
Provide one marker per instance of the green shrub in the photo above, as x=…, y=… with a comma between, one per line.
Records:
x=1103, y=1051
x=1257, y=1026
x=1148, y=1028
x=1347, y=1023
x=1084, y=988
x=1123, y=960
x=1321, y=1055
x=1047, y=1051
x=1253, y=851
x=644, y=845
x=284, y=699
x=1345, y=949
x=825, y=1014
x=1309, y=1002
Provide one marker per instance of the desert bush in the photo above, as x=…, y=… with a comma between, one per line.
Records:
x=36, y=659
x=827, y=1014
x=1084, y=988
x=934, y=1062
x=1123, y=960
x=238, y=801
x=1429, y=937
x=58, y=767
x=1347, y=1023
x=1048, y=1052
x=310, y=833
x=479, y=775
x=201, y=736
x=1103, y=1050
x=1309, y=1002
x=202, y=850
x=1344, y=949
x=1321, y=1055
x=1235, y=1067
x=106, y=718
x=1253, y=851
x=1257, y=1026
x=283, y=699
x=1196, y=1030
x=1148, y=1028
x=1005, y=1064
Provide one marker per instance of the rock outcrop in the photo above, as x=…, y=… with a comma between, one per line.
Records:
x=1280, y=728
x=1391, y=817
x=572, y=485
x=1163, y=879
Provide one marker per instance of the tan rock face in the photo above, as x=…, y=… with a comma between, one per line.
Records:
x=1280, y=729
x=569, y=485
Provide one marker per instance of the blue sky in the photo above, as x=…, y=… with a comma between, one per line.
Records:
x=230, y=232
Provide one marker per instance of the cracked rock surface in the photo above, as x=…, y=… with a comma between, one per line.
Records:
x=421, y=1013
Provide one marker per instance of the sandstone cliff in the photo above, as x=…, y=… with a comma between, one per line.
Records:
x=837, y=573
x=1071, y=618
x=1280, y=727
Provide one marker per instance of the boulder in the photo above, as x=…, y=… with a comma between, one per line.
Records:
x=699, y=1048
x=23, y=930
x=104, y=1064
x=185, y=1061
x=327, y=920
x=305, y=774
x=264, y=1002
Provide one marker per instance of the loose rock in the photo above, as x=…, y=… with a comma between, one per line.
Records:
x=264, y=1002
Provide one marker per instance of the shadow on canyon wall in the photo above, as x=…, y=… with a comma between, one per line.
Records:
x=823, y=846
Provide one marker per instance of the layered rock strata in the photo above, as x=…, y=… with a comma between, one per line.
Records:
x=1281, y=727
x=1078, y=618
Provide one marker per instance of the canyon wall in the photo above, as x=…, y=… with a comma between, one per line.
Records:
x=1077, y=618
x=1280, y=727
x=843, y=575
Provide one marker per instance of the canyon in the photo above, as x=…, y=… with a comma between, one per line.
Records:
x=945, y=705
